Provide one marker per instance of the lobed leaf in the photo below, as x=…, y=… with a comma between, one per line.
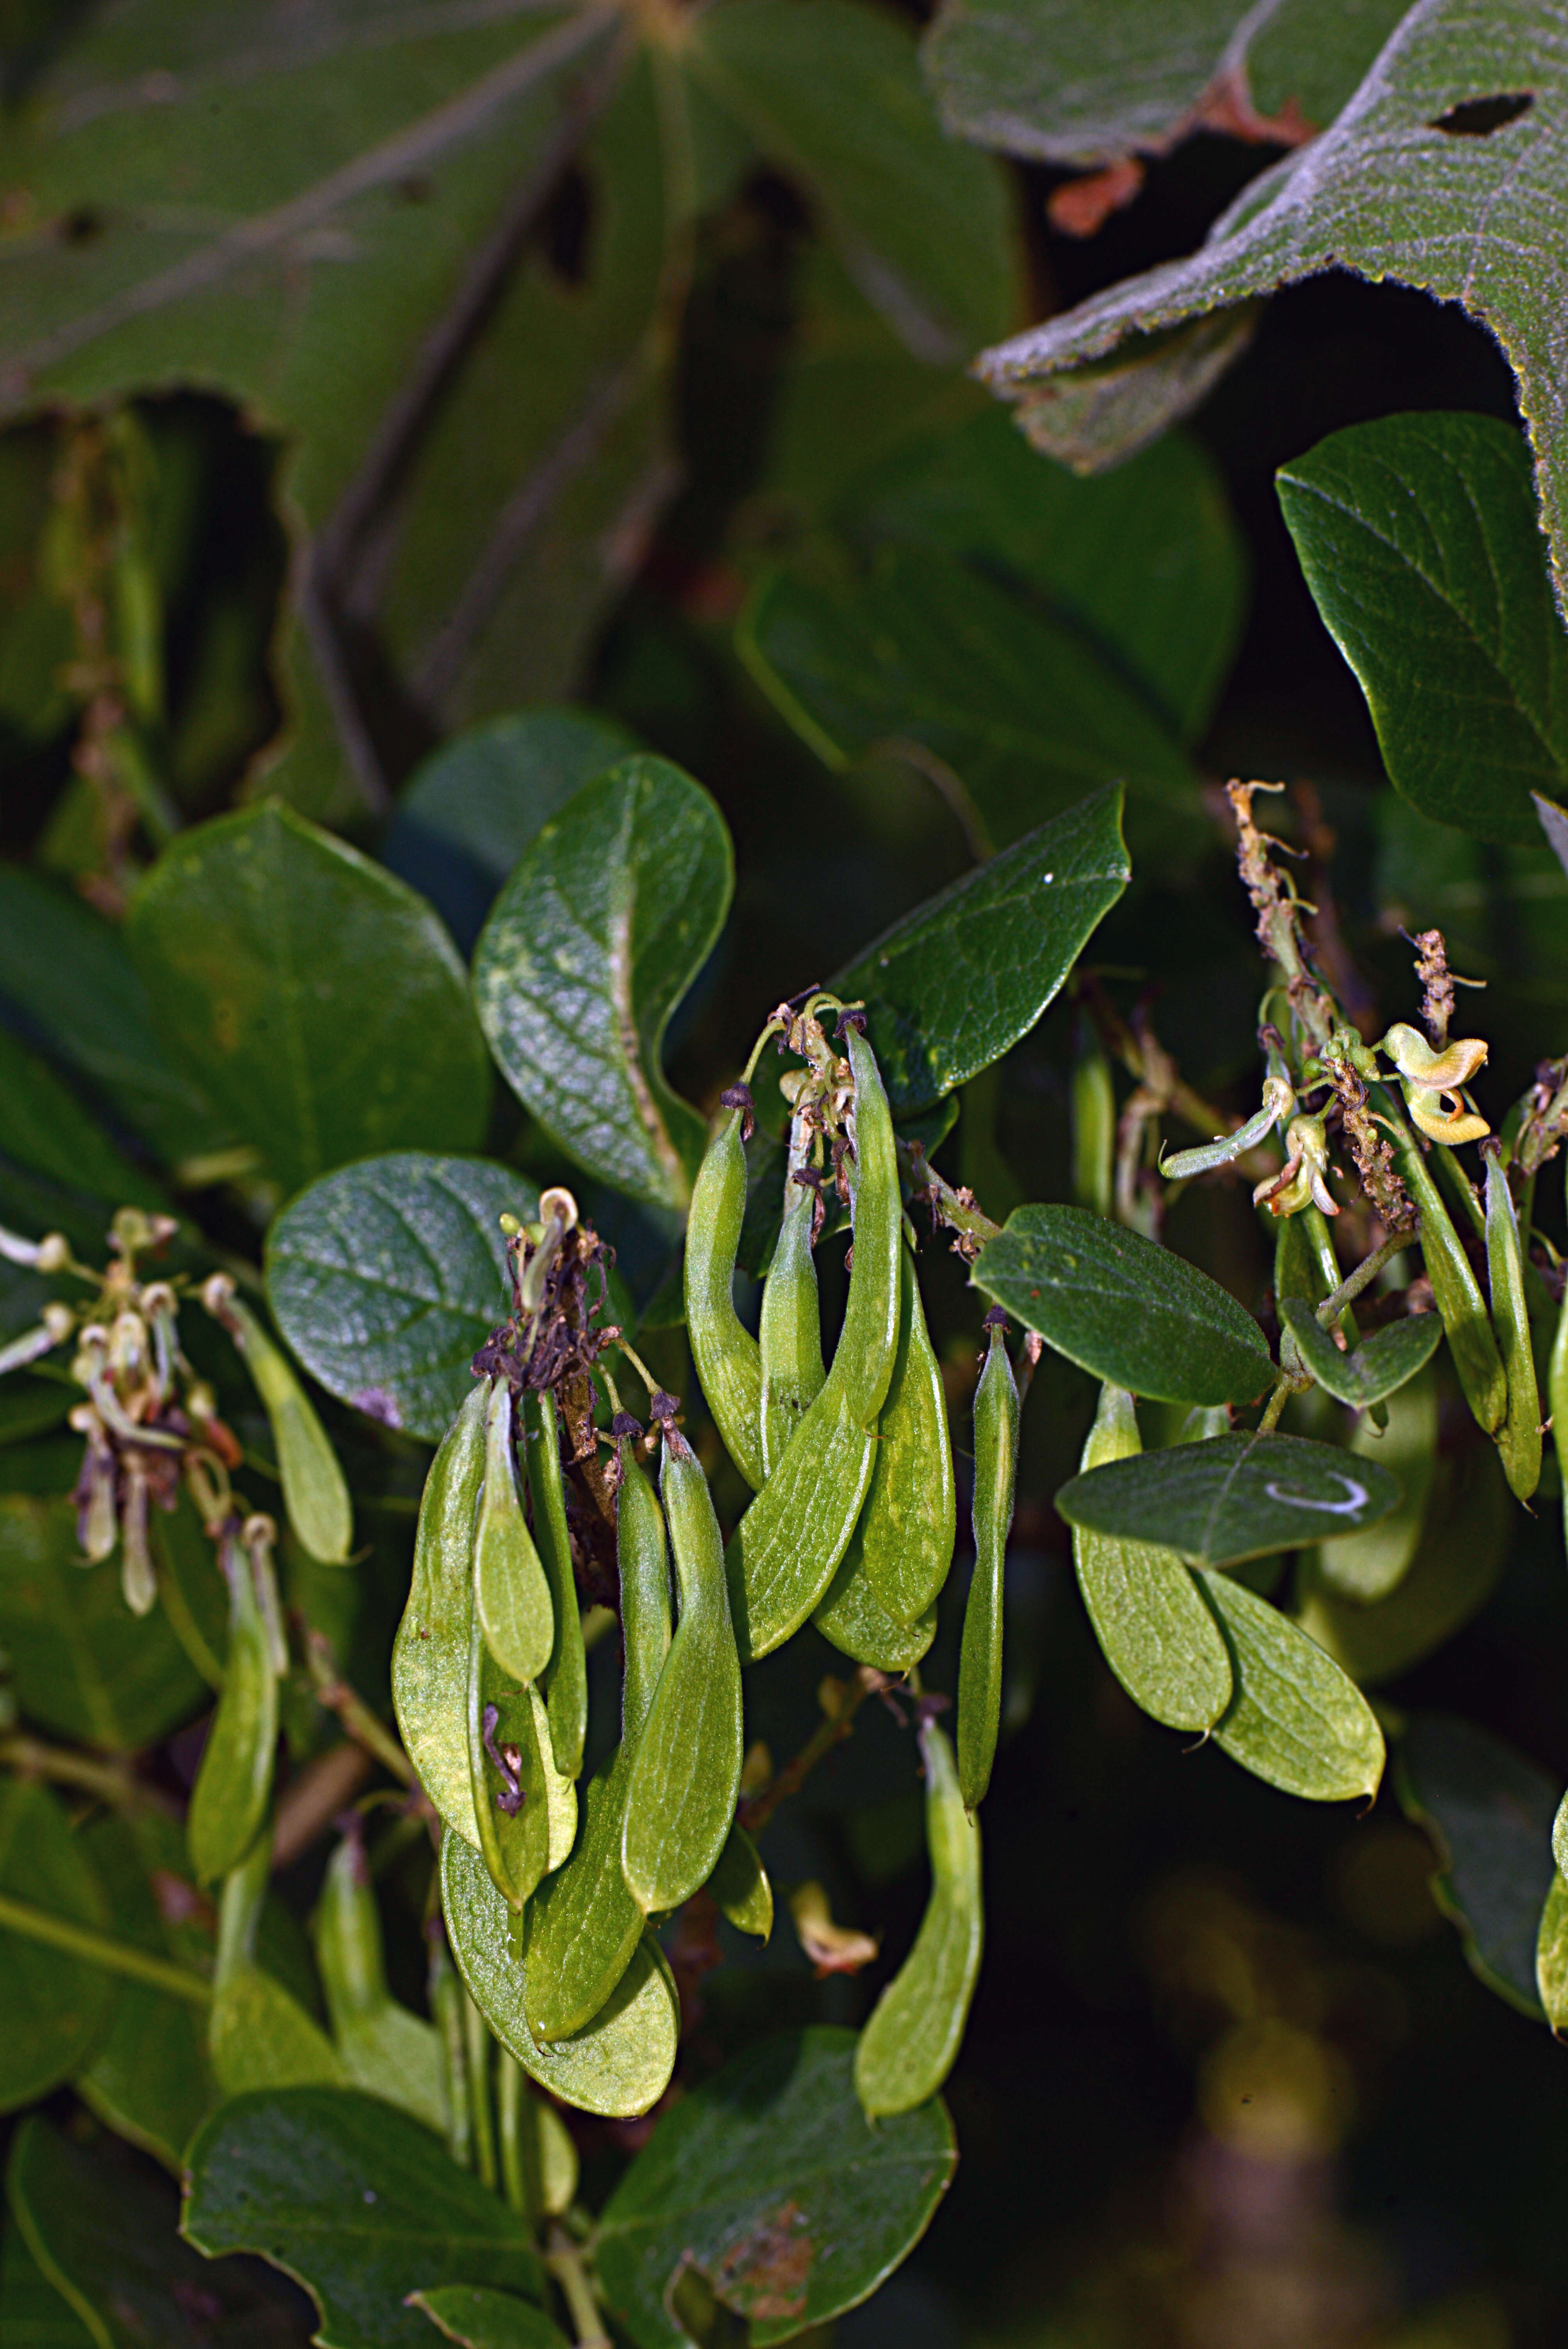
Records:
x=593, y=941
x=1124, y=1309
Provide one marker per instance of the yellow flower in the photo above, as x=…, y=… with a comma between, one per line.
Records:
x=1300, y=1181
x=1431, y=1082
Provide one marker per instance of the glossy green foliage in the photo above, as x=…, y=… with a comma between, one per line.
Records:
x=472, y=807
x=430, y=1653
x=1062, y=85
x=315, y=1493
x=593, y=941
x=1295, y=1718
x=1154, y=1630
x=1466, y=1534
x=1145, y=562
x=1420, y=541
x=1231, y=1497
x=318, y=1001
x=1456, y=1291
x=1367, y=1566
x=229, y=1800
x=57, y=2006
x=80, y=1661
x=769, y=2182
x=148, y=2076
x=386, y=1278
x=980, y=1654
x=478, y=2317
x=102, y=2228
x=1552, y=1955
x=955, y=984
x=383, y=2048
x=358, y=2201
x=909, y=2044
x=1518, y=1440
x=1488, y=1812
x=776, y=1574
x=619, y=2064
x=1389, y=191
x=583, y=1925
x=1128, y=1311
x=566, y=1674
x=900, y=1552
x=789, y=1330
x=739, y=1884
x=66, y=969
x=728, y=1357
x=513, y=1601
x=685, y=1777
x=929, y=651
x=1371, y=1372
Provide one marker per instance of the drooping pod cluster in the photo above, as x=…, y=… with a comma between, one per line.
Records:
x=551, y=1892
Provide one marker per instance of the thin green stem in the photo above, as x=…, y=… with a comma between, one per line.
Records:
x=1366, y=1272
x=353, y=1711
x=565, y=2264
x=510, y=2099
x=477, y=2047
x=111, y=1782
x=1282, y=1394
x=98, y=1949
x=641, y=1368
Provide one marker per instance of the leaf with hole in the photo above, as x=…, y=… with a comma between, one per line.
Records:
x=319, y=1001
x=359, y=2202
x=769, y=2181
x=1123, y=1307
x=1231, y=1497
x=593, y=941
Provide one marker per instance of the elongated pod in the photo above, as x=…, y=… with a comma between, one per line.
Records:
x=728, y=1360
x=996, y=1473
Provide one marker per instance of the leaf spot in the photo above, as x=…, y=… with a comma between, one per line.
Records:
x=763, y=2276
x=1478, y=117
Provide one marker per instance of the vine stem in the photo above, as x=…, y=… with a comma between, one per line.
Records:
x=834, y=1727
x=109, y=1781
x=99, y=1950
x=1366, y=1272
x=353, y=1711
x=1277, y=1403
x=564, y=2261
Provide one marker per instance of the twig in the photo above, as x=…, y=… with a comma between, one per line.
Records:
x=1366, y=1272
x=565, y=2264
x=832, y=1730
x=351, y=1709
x=100, y=1950
x=310, y=1802
x=111, y=1782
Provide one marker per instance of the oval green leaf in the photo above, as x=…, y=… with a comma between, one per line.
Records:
x=480, y=2318
x=1377, y=1367
x=1123, y=1308
x=770, y=2182
x=593, y=941
x=1295, y=1719
x=1488, y=1812
x=957, y=983
x=387, y=1279
x=319, y=1001
x=1231, y=1497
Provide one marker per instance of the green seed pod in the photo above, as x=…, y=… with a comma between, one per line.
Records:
x=448, y=1999
x=566, y=1676
x=1367, y=1567
x=1154, y=1631
x=258, y=2034
x=512, y=1595
x=996, y=1473
x=383, y=2048
x=898, y=1557
x=431, y=1654
x=618, y=2065
x=1519, y=1441
x=784, y=1552
x=791, y=1335
x=907, y=2048
x=1557, y=1399
x=315, y=1493
x=739, y=1885
x=685, y=1777
x=509, y=1737
x=1456, y=1293
x=229, y=1800
x=728, y=1360
x=583, y=1925
x=1094, y=1122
